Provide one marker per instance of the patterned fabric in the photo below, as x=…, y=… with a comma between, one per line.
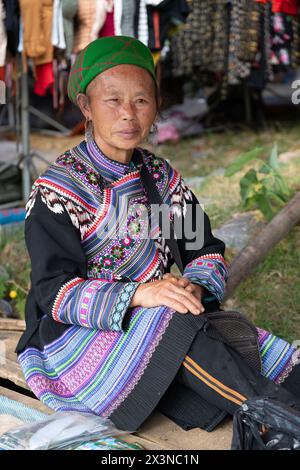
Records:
x=278, y=356
x=213, y=273
x=94, y=371
x=98, y=304
x=77, y=384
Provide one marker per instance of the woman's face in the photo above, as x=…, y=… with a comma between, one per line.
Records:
x=122, y=106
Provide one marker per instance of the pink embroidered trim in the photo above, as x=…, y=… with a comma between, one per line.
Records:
x=215, y=256
x=102, y=213
x=61, y=293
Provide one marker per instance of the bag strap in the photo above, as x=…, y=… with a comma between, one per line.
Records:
x=250, y=347
x=155, y=198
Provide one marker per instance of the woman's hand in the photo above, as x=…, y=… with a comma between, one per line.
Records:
x=172, y=291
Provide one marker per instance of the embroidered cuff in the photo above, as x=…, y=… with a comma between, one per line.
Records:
x=94, y=303
x=209, y=271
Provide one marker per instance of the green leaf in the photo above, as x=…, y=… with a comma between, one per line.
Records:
x=265, y=207
x=281, y=186
x=247, y=184
x=242, y=160
x=265, y=169
x=273, y=160
x=276, y=198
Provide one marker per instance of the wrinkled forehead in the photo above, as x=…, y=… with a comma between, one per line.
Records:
x=121, y=78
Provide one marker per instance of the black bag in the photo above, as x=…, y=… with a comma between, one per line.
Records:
x=233, y=328
x=265, y=424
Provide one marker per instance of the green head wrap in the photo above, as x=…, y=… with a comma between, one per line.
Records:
x=104, y=53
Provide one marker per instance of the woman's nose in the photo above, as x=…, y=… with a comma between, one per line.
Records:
x=128, y=111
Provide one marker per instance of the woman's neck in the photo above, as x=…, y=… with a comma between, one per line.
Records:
x=120, y=155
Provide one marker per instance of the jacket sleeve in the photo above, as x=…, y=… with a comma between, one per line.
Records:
x=203, y=263
x=59, y=273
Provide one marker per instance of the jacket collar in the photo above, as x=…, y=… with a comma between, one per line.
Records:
x=109, y=168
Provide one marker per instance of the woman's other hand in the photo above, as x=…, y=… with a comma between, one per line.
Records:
x=172, y=291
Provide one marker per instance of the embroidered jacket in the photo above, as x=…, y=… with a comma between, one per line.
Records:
x=86, y=262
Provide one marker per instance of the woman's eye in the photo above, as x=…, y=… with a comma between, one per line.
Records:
x=113, y=99
x=141, y=100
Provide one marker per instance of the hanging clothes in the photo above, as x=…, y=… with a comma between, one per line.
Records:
x=207, y=19
x=281, y=32
x=161, y=16
x=127, y=19
x=2, y=74
x=117, y=17
x=289, y=7
x=58, y=35
x=237, y=68
x=37, y=30
x=3, y=36
x=44, y=79
x=12, y=18
x=69, y=11
x=240, y=41
x=86, y=14
x=142, y=22
x=108, y=28
x=102, y=9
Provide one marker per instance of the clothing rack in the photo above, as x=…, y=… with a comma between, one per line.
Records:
x=19, y=122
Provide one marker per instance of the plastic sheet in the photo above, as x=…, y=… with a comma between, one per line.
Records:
x=61, y=430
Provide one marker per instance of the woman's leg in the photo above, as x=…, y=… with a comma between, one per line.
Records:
x=222, y=377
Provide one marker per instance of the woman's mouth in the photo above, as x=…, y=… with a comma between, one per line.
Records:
x=128, y=133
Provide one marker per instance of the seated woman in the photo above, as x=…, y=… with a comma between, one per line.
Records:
x=108, y=327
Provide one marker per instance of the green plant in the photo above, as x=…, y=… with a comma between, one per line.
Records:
x=3, y=282
x=269, y=192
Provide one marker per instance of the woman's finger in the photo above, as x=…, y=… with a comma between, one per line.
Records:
x=188, y=299
x=175, y=304
x=182, y=281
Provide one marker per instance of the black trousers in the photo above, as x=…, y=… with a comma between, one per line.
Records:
x=213, y=381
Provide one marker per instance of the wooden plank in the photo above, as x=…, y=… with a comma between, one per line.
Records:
x=160, y=429
x=10, y=368
x=7, y=324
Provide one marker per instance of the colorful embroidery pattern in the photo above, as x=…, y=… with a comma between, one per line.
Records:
x=92, y=371
x=210, y=272
x=96, y=304
x=278, y=356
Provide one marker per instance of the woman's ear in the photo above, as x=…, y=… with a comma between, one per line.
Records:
x=83, y=103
